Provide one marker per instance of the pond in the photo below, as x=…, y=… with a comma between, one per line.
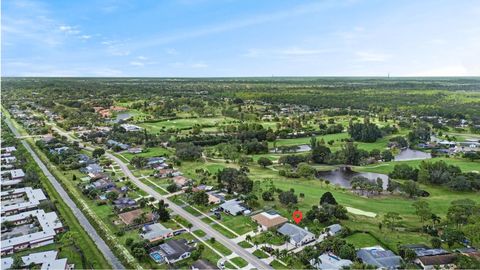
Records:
x=122, y=117
x=409, y=154
x=342, y=177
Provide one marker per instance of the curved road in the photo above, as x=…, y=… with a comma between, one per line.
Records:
x=107, y=253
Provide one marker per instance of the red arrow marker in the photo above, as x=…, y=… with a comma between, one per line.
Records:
x=297, y=216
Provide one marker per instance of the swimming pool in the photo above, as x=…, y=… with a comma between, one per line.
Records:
x=157, y=257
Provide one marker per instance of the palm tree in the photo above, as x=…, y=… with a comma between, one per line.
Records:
x=248, y=238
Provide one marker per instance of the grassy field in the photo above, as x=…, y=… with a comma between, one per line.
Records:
x=186, y=123
x=149, y=152
x=464, y=164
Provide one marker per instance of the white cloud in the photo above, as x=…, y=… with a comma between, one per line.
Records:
x=70, y=30
x=137, y=63
x=85, y=37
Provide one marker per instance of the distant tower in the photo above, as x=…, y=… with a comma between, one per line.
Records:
x=388, y=76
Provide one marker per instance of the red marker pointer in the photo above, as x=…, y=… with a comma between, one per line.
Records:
x=297, y=216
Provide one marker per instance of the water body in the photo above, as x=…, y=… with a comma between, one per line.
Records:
x=342, y=177
x=409, y=154
x=122, y=117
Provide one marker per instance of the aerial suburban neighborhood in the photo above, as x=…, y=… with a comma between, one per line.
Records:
x=240, y=135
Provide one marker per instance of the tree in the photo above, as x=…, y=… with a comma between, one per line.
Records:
x=162, y=211
x=327, y=198
x=391, y=220
x=128, y=241
x=305, y=170
x=268, y=196
x=452, y=236
x=320, y=153
x=287, y=198
x=436, y=242
x=460, y=211
x=200, y=198
x=139, y=162
x=411, y=188
x=17, y=262
x=188, y=151
x=98, y=152
x=235, y=180
x=264, y=162
x=422, y=210
x=471, y=232
x=172, y=188
x=387, y=155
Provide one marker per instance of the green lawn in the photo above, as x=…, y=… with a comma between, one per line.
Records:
x=239, y=262
x=149, y=152
x=360, y=240
x=260, y=254
x=238, y=224
x=245, y=244
x=464, y=164
x=185, y=123
x=269, y=238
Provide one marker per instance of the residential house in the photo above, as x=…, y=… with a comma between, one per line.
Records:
x=155, y=232
x=175, y=250
x=92, y=169
x=297, y=236
x=330, y=261
x=41, y=260
x=164, y=173
x=8, y=149
x=130, y=127
x=129, y=217
x=234, y=208
x=17, y=238
x=443, y=261
x=112, y=143
x=180, y=181
x=153, y=161
x=11, y=177
x=379, y=257
x=135, y=150
x=20, y=200
x=102, y=184
x=333, y=229
x=269, y=220
x=124, y=203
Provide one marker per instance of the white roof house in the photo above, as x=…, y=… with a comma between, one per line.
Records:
x=14, y=201
x=48, y=222
x=12, y=177
x=155, y=232
x=46, y=260
x=9, y=149
x=298, y=236
x=130, y=127
x=333, y=229
x=330, y=261
x=234, y=207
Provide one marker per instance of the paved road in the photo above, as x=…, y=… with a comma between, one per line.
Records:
x=229, y=243
x=111, y=258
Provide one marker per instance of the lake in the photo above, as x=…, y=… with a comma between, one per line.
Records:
x=342, y=177
x=410, y=154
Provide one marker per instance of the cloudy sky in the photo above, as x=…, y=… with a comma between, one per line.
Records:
x=240, y=38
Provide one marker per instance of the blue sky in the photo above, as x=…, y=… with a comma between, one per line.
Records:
x=240, y=38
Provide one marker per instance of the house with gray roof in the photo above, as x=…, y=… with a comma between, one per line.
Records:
x=333, y=229
x=379, y=257
x=234, y=207
x=330, y=261
x=297, y=235
x=175, y=250
x=155, y=232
